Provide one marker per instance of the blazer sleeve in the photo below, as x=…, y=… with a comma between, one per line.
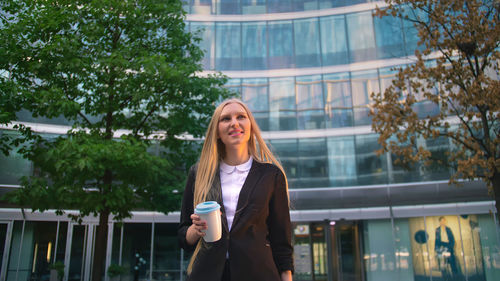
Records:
x=186, y=211
x=279, y=225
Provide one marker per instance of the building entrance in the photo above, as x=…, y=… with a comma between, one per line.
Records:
x=328, y=251
x=345, y=251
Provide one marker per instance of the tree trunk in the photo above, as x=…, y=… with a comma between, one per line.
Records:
x=496, y=191
x=100, y=246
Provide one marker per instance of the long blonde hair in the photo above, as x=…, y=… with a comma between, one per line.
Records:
x=214, y=151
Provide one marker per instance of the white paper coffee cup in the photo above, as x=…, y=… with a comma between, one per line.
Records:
x=209, y=211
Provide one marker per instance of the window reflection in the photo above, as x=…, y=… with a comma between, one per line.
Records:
x=323, y=4
x=254, y=94
x=341, y=161
x=310, y=102
x=253, y=6
x=278, y=6
x=363, y=84
x=338, y=104
x=137, y=246
x=307, y=50
x=372, y=169
x=333, y=40
x=166, y=252
x=388, y=33
x=361, y=37
x=228, y=51
x=254, y=53
x=206, y=32
x=14, y=166
x=228, y=7
x=313, y=162
x=287, y=152
x=203, y=7
x=282, y=104
x=280, y=44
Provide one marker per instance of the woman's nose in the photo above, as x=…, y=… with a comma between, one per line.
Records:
x=234, y=122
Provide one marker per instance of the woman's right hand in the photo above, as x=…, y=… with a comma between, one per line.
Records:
x=194, y=232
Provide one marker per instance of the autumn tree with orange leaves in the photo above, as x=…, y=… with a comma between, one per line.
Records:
x=456, y=69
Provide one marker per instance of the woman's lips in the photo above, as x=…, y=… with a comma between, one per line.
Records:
x=236, y=133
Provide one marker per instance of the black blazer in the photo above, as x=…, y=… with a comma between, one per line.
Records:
x=259, y=243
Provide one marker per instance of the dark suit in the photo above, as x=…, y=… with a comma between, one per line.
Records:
x=259, y=243
x=439, y=246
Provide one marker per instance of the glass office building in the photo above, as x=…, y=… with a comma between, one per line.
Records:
x=306, y=69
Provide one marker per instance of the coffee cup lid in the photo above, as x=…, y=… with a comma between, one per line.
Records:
x=206, y=207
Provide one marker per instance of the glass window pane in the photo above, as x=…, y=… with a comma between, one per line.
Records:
x=234, y=85
x=282, y=104
x=203, y=7
x=341, y=161
x=254, y=51
x=402, y=236
x=307, y=51
x=166, y=252
x=32, y=251
x=136, y=249
x=325, y=4
x=361, y=37
x=410, y=31
x=333, y=40
x=254, y=94
x=371, y=169
x=472, y=252
x=363, y=84
x=439, y=148
x=304, y=5
x=278, y=6
x=310, y=102
x=253, y=6
x=228, y=46
x=228, y=7
x=287, y=153
x=14, y=166
x=338, y=103
x=379, y=250
x=280, y=44
x=489, y=246
x=207, y=43
x=388, y=32
x=313, y=162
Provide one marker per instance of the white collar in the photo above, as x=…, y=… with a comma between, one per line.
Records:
x=228, y=169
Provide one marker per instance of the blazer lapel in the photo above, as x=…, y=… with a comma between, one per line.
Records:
x=215, y=194
x=246, y=191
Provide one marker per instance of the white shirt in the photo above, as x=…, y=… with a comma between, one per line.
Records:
x=231, y=181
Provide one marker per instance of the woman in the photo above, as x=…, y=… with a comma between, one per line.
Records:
x=237, y=170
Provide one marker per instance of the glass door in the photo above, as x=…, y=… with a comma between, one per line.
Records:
x=79, y=253
x=346, y=261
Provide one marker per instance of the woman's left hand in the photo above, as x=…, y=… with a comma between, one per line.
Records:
x=286, y=275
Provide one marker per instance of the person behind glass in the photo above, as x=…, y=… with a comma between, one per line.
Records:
x=445, y=243
x=237, y=169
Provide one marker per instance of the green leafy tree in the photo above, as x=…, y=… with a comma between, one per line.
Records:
x=457, y=73
x=125, y=74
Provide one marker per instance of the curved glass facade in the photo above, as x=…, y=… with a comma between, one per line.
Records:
x=302, y=42
x=237, y=7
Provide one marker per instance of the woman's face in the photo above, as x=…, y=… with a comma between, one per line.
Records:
x=234, y=126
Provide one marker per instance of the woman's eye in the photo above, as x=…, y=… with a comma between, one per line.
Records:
x=225, y=119
x=242, y=117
